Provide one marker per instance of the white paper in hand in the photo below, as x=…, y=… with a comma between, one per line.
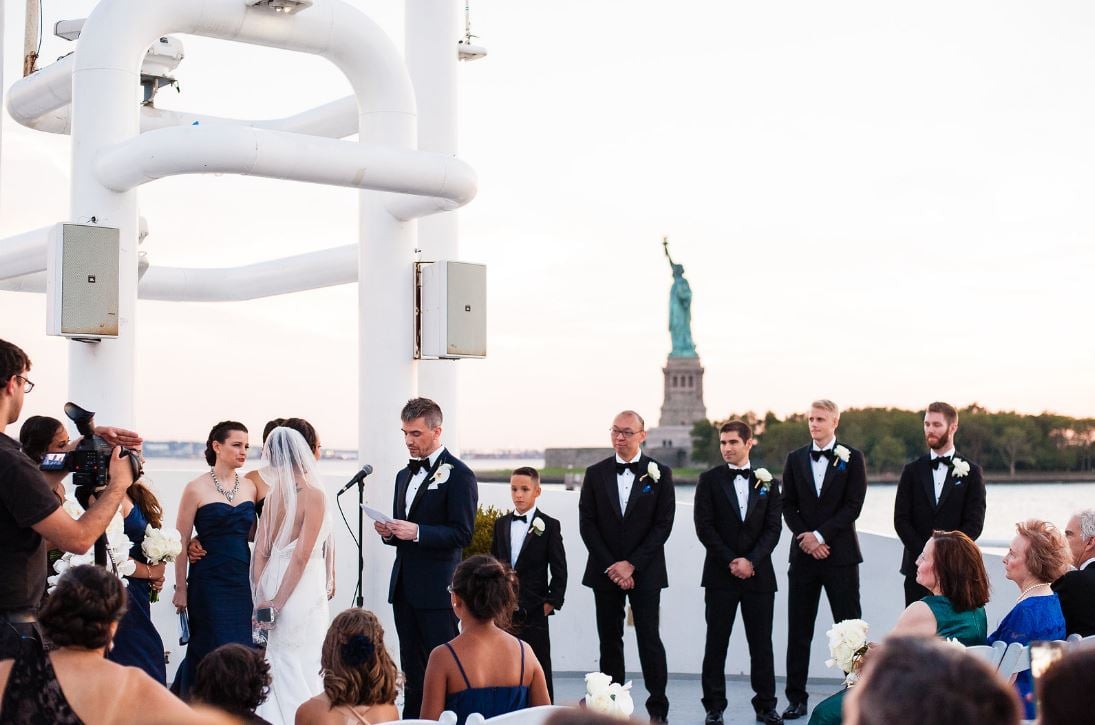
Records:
x=376, y=515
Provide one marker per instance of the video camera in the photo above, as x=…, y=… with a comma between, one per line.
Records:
x=89, y=462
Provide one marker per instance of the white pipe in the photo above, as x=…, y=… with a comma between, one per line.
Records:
x=24, y=253
x=43, y=91
x=279, y=155
x=34, y=282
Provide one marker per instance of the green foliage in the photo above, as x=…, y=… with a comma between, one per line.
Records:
x=890, y=437
x=483, y=532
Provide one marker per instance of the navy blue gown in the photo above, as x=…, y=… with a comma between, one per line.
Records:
x=487, y=701
x=218, y=586
x=137, y=643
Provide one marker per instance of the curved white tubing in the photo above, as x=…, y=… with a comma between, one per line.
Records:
x=24, y=253
x=280, y=155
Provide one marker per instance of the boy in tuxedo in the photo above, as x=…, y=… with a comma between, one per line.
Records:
x=531, y=542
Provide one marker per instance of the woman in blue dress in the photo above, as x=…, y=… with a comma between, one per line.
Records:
x=215, y=591
x=1038, y=556
x=137, y=643
x=483, y=669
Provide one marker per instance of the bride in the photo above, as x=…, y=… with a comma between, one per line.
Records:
x=292, y=572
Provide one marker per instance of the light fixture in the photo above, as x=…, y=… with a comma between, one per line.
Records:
x=286, y=7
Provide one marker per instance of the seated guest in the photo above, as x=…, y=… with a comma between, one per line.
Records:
x=483, y=669
x=360, y=680
x=74, y=683
x=916, y=680
x=1065, y=694
x=1038, y=556
x=235, y=679
x=1076, y=589
x=951, y=568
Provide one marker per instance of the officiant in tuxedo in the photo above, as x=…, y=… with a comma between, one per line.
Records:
x=625, y=515
x=436, y=497
x=824, y=484
x=531, y=542
x=938, y=491
x=737, y=515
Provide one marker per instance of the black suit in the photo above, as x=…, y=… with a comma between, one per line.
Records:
x=832, y=513
x=539, y=554
x=1076, y=590
x=638, y=536
x=445, y=514
x=916, y=514
x=726, y=537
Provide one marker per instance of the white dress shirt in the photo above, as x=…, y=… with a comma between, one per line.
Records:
x=819, y=467
x=518, y=530
x=625, y=480
x=418, y=478
x=741, y=488
x=1084, y=565
x=939, y=475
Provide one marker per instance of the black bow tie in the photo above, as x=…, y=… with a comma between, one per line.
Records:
x=816, y=455
x=633, y=467
x=521, y=517
x=415, y=465
x=941, y=461
x=743, y=472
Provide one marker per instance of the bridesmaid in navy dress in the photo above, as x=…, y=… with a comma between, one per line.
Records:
x=217, y=593
x=137, y=643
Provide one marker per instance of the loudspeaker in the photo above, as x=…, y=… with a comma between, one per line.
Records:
x=82, y=282
x=451, y=310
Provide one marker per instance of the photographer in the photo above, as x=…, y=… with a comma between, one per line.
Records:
x=29, y=510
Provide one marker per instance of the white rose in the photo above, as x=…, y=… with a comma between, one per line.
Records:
x=127, y=567
x=842, y=453
x=601, y=702
x=622, y=697
x=653, y=471
x=961, y=468
x=597, y=682
x=763, y=475
x=538, y=525
x=442, y=473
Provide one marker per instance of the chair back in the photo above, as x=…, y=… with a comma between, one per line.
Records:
x=528, y=716
x=447, y=718
x=990, y=654
x=1015, y=660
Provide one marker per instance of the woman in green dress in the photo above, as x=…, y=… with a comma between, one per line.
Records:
x=951, y=567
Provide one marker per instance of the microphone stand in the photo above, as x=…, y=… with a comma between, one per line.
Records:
x=360, y=543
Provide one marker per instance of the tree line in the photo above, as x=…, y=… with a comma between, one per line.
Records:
x=889, y=437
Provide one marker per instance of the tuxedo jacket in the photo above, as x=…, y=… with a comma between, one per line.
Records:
x=445, y=514
x=1076, y=590
x=726, y=536
x=832, y=513
x=637, y=535
x=961, y=506
x=539, y=555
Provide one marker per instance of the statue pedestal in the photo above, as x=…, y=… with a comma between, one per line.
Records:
x=682, y=406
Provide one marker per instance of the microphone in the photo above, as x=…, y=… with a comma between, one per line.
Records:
x=358, y=478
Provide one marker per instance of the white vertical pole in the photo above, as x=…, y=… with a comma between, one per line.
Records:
x=2, y=9
x=432, y=29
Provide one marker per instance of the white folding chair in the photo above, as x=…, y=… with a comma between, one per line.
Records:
x=447, y=718
x=990, y=654
x=528, y=716
x=1015, y=660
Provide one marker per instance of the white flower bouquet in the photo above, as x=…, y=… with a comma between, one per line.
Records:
x=117, y=547
x=160, y=546
x=847, y=644
x=608, y=697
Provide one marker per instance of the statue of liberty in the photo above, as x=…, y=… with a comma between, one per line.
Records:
x=680, y=310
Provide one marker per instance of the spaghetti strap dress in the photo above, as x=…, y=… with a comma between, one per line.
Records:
x=487, y=701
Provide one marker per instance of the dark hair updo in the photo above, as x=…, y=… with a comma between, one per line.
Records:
x=488, y=589
x=219, y=434
x=36, y=435
x=79, y=612
x=234, y=678
x=305, y=429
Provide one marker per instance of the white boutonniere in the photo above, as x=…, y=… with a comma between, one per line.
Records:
x=652, y=472
x=537, y=526
x=764, y=480
x=440, y=476
x=841, y=454
x=961, y=468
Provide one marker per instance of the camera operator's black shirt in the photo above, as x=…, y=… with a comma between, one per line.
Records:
x=25, y=499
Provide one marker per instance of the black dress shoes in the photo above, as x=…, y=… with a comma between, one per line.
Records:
x=794, y=711
x=714, y=717
x=769, y=717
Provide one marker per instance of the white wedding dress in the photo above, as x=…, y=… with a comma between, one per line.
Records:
x=293, y=645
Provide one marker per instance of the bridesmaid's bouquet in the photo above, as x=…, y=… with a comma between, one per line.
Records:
x=117, y=548
x=608, y=697
x=847, y=645
x=160, y=546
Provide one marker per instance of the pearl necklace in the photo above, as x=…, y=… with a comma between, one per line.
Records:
x=1029, y=589
x=217, y=484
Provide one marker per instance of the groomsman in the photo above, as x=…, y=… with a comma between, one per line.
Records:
x=938, y=491
x=625, y=514
x=531, y=542
x=436, y=497
x=1076, y=589
x=737, y=515
x=824, y=485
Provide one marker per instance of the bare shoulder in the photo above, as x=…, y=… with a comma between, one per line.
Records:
x=916, y=619
x=313, y=710
x=383, y=713
x=159, y=700
x=5, y=670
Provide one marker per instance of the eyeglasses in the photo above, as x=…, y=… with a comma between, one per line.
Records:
x=27, y=385
x=617, y=432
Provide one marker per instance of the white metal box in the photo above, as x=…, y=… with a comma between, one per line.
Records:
x=82, y=281
x=452, y=310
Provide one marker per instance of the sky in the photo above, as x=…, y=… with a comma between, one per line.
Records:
x=883, y=204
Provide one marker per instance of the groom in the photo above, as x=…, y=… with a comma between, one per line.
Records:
x=436, y=497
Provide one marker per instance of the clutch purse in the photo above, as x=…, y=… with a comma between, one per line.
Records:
x=184, y=628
